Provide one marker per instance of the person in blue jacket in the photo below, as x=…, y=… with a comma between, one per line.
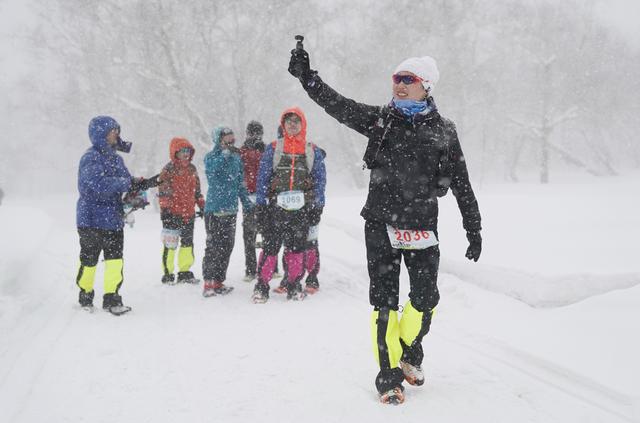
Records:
x=225, y=176
x=102, y=180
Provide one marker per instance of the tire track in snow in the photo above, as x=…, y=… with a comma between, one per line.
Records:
x=568, y=382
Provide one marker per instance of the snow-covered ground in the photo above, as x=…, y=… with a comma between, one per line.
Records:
x=543, y=329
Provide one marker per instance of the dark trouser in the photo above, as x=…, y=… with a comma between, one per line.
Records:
x=249, y=233
x=171, y=221
x=221, y=234
x=185, y=253
x=383, y=263
x=291, y=229
x=288, y=228
x=92, y=242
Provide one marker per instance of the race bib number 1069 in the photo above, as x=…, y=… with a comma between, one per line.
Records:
x=291, y=200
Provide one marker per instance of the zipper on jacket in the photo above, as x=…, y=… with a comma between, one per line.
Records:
x=293, y=160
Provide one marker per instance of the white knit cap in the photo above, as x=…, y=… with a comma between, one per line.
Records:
x=424, y=67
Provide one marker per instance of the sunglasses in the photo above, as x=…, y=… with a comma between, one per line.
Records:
x=185, y=150
x=406, y=79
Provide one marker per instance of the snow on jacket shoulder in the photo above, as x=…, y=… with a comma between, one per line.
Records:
x=102, y=178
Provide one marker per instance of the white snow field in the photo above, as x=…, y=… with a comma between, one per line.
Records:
x=544, y=328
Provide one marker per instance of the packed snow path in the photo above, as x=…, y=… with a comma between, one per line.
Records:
x=180, y=357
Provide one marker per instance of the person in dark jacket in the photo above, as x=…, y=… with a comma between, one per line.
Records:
x=179, y=193
x=102, y=179
x=311, y=258
x=414, y=156
x=290, y=199
x=250, y=153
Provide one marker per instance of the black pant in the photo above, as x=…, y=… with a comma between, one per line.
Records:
x=221, y=234
x=94, y=241
x=285, y=227
x=249, y=233
x=172, y=221
x=383, y=263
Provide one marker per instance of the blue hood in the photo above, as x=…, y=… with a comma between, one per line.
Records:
x=99, y=127
x=217, y=133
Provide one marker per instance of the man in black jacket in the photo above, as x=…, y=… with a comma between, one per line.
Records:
x=414, y=156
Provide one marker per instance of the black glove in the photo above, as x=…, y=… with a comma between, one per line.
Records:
x=475, y=246
x=299, y=65
x=313, y=215
x=200, y=213
x=142, y=184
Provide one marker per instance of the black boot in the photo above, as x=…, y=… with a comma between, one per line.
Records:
x=86, y=298
x=169, y=278
x=187, y=277
x=312, y=281
x=111, y=300
x=295, y=292
x=113, y=304
x=260, y=293
x=388, y=379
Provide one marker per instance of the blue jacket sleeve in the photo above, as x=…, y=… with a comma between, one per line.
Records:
x=264, y=176
x=92, y=177
x=319, y=175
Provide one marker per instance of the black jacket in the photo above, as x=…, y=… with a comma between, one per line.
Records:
x=412, y=162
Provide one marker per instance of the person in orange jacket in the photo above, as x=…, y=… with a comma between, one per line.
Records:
x=179, y=193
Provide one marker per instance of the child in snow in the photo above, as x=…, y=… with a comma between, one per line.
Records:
x=102, y=179
x=225, y=176
x=179, y=193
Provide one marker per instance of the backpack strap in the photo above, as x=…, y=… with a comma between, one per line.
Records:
x=377, y=136
x=278, y=149
x=309, y=153
x=310, y=156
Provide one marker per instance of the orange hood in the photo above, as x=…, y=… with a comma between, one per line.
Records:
x=178, y=144
x=295, y=144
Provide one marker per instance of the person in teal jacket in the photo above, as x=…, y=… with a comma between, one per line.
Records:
x=225, y=176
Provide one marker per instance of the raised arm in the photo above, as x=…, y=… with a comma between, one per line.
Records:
x=357, y=116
